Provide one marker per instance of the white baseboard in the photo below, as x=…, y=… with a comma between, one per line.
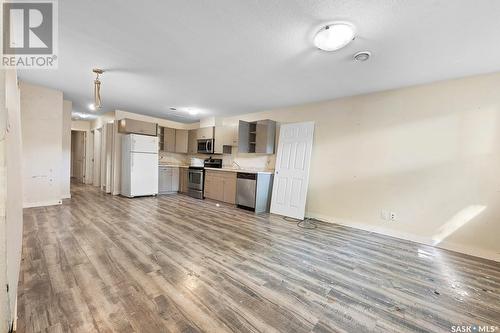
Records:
x=42, y=203
x=490, y=255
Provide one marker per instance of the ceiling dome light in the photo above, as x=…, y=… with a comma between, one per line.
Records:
x=92, y=107
x=192, y=112
x=334, y=36
x=362, y=56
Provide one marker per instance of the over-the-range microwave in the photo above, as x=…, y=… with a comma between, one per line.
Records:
x=206, y=146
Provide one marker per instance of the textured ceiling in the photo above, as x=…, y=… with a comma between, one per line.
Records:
x=229, y=57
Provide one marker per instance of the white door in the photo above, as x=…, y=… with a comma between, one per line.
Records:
x=291, y=177
x=143, y=174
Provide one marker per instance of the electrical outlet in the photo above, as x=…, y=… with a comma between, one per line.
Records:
x=393, y=217
x=388, y=216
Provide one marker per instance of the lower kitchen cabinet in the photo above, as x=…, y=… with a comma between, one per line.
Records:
x=214, y=186
x=168, y=179
x=183, y=180
x=229, y=188
x=220, y=186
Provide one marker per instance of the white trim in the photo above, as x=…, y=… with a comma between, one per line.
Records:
x=485, y=254
x=42, y=203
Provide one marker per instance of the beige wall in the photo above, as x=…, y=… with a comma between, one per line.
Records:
x=80, y=125
x=102, y=119
x=41, y=123
x=429, y=153
x=66, y=150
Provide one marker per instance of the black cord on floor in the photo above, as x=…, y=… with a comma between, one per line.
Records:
x=304, y=224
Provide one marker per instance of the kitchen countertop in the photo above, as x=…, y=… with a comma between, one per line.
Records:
x=266, y=172
x=172, y=165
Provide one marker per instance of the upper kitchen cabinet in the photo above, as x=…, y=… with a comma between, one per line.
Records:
x=169, y=139
x=231, y=135
x=205, y=133
x=193, y=141
x=266, y=137
x=132, y=126
x=160, y=138
x=226, y=137
x=181, y=141
x=257, y=136
x=173, y=140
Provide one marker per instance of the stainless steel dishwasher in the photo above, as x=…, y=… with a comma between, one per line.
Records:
x=253, y=191
x=246, y=186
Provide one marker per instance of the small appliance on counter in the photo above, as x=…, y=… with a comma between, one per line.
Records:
x=197, y=162
x=196, y=175
x=213, y=163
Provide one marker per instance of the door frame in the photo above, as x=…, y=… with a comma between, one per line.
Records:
x=90, y=178
x=96, y=173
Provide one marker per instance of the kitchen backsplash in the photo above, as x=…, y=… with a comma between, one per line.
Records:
x=245, y=161
x=249, y=161
x=174, y=158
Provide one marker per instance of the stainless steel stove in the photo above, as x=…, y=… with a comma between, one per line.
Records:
x=196, y=177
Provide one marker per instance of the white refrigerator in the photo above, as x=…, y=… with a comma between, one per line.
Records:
x=139, y=165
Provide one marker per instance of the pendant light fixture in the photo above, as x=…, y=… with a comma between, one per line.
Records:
x=97, y=88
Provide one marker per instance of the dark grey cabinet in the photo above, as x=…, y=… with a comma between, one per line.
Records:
x=257, y=137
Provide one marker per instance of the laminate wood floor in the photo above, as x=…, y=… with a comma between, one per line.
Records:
x=100, y=263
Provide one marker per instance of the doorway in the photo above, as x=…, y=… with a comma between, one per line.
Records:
x=97, y=157
x=78, y=156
